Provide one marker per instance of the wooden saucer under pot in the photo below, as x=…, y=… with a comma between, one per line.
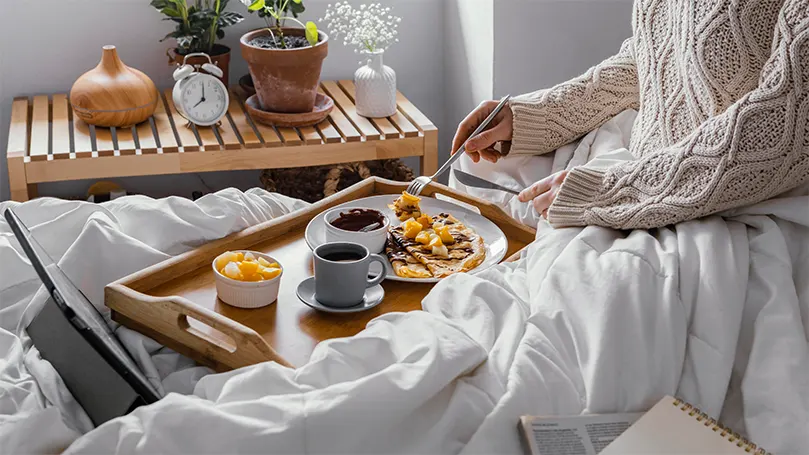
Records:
x=323, y=106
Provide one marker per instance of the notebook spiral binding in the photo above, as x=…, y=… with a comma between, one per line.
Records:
x=717, y=427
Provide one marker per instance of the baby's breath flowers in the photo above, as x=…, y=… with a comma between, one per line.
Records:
x=371, y=28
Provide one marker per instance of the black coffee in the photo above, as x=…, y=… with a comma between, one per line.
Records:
x=342, y=256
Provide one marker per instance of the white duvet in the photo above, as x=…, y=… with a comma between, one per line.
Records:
x=715, y=311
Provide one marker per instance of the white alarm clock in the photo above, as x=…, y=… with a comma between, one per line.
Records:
x=201, y=98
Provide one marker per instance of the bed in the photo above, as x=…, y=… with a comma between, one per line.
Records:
x=714, y=311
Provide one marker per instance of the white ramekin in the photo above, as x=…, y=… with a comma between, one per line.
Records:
x=247, y=294
x=373, y=240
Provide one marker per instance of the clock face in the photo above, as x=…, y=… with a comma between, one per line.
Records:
x=204, y=99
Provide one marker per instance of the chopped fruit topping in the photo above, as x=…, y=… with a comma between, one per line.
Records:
x=425, y=220
x=406, y=206
x=446, y=237
x=246, y=267
x=409, y=198
x=423, y=237
x=412, y=228
x=232, y=271
x=441, y=251
x=435, y=241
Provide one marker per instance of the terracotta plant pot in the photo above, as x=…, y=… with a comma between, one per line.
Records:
x=220, y=56
x=286, y=80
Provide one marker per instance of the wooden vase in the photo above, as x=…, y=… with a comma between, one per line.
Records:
x=113, y=94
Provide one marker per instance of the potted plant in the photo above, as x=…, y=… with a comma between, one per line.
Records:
x=371, y=29
x=284, y=62
x=199, y=24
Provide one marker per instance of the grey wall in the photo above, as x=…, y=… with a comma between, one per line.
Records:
x=44, y=48
x=452, y=54
x=532, y=44
x=540, y=43
x=468, y=59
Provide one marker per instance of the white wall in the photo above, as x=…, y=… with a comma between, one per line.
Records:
x=44, y=48
x=468, y=59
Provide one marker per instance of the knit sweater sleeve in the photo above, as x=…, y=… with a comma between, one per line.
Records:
x=756, y=149
x=548, y=119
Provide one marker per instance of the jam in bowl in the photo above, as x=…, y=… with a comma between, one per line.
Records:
x=357, y=220
x=361, y=225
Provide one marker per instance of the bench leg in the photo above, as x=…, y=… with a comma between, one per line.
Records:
x=429, y=161
x=20, y=189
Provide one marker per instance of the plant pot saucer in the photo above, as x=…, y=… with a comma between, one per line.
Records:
x=323, y=106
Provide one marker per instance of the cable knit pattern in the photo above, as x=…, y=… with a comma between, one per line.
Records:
x=722, y=123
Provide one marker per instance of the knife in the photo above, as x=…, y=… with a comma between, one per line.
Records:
x=477, y=182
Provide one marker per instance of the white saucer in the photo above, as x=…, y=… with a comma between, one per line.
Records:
x=306, y=292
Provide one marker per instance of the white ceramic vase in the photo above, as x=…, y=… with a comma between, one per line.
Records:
x=376, y=88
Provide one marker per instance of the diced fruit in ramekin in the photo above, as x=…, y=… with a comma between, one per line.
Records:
x=232, y=271
x=269, y=273
x=246, y=267
x=223, y=260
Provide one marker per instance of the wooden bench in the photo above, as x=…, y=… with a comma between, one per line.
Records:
x=46, y=143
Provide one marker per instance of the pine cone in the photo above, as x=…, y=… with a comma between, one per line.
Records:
x=316, y=182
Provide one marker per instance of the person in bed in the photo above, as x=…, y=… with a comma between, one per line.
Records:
x=722, y=93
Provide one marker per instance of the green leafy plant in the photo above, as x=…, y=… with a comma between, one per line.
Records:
x=293, y=8
x=199, y=23
x=273, y=12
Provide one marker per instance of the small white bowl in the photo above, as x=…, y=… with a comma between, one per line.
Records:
x=247, y=294
x=373, y=240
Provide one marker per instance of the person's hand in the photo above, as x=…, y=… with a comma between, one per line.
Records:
x=482, y=145
x=543, y=193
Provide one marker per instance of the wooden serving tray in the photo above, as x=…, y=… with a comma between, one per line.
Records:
x=175, y=303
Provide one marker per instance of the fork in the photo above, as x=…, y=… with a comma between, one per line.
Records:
x=417, y=186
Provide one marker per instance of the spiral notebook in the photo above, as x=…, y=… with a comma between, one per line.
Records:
x=670, y=427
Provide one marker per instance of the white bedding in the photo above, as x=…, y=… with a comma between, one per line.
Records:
x=591, y=320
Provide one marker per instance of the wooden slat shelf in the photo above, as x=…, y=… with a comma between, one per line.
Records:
x=47, y=143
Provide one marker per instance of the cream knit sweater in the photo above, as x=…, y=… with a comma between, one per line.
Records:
x=722, y=89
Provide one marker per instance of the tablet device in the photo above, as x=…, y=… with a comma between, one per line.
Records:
x=73, y=336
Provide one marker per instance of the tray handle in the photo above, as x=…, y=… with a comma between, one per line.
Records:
x=166, y=319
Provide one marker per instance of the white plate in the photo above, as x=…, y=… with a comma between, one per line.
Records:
x=493, y=237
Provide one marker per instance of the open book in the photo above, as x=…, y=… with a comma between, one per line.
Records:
x=670, y=427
